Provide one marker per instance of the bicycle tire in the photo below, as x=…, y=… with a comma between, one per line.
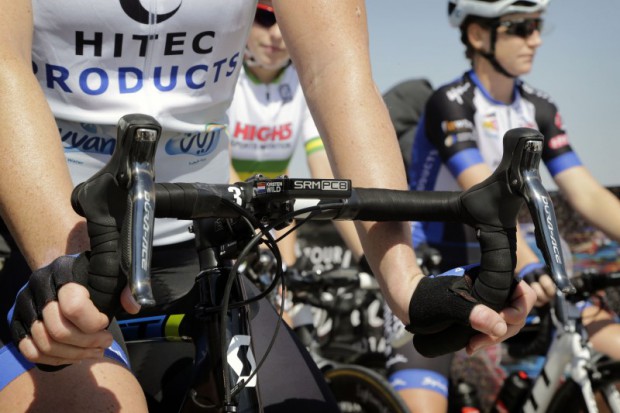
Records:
x=569, y=397
x=359, y=389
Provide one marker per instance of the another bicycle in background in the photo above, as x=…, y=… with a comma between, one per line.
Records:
x=227, y=360
x=549, y=366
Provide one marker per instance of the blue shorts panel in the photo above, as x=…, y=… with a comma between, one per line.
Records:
x=419, y=379
x=15, y=364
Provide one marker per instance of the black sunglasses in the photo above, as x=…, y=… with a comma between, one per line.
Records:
x=523, y=28
x=265, y=18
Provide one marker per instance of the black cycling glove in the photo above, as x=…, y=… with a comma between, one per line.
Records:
x=439, y=311
x=42, y=288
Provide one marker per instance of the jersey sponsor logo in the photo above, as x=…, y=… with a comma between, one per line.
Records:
x=558, y=121
x=285, y=92
x=458, y=138
x=456, y=131
x=535, y=92
x=135, y=10
x=459, y=125
x=428, y=170
x=86, y=140
x=558, y=141
x=94, y=79
x=248, y=132
x=325, y=258
x=456, y=93
x=197, y=144
x=490, y=126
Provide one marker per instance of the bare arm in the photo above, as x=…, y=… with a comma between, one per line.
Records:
x=328, y=41
x=593, y=201
x=35, y=190
x=34, y=168
x=340, y=91
x=318, y=163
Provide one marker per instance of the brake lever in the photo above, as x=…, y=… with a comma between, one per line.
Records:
x=137, y=138
x=525, y=179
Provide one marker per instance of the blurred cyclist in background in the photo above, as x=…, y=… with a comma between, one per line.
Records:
x=459, y=142
x=269, y=118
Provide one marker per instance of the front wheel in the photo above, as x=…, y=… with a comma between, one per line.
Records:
x=358, y=389
x=605, y=384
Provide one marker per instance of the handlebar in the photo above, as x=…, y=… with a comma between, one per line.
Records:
x=491, y=207
x=590, y=282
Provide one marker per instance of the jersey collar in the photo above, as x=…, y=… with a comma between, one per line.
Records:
x=515, y=93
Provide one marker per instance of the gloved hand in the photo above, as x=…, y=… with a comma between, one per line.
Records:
x=71, y=328
x=439, y=311
x=41, y=288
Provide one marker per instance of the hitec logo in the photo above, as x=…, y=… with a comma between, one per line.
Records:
x=135, y=10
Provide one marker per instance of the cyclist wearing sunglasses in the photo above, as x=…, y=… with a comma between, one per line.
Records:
x=269, y=117
x=459, y=142
x=179, y=62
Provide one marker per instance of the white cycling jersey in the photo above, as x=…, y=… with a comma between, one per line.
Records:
x=176, y=60
x=266, y=122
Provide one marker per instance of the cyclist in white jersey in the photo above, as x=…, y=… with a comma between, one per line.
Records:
x=269, y=118
x=459, y=142
x=76, y=68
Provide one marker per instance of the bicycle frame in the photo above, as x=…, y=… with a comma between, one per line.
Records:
x=208, y=387
x=568, y=355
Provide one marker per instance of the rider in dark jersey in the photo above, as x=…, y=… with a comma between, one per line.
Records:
x=463, y=126
x=459, y=142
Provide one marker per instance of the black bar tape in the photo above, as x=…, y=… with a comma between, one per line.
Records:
x=192, y=201
x=392, y=205
x=105, y=281
x=495, y=282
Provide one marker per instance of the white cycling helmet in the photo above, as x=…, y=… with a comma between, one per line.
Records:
x=458, y=10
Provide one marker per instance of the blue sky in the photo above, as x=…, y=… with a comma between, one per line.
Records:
x=578, y=65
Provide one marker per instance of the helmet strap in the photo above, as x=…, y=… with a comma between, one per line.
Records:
x=490, y=56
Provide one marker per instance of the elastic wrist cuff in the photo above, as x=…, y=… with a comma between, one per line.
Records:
x=531, y=267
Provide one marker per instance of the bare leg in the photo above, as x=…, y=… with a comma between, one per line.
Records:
x=90, y=386
x=603, y=330
x=424, y=401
